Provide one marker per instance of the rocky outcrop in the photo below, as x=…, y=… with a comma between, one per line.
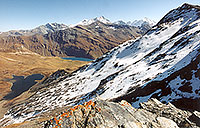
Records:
x=104, y=114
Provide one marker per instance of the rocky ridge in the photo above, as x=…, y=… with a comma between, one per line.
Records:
x=104, y=114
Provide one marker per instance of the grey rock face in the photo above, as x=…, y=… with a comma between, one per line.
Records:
x=104, y=114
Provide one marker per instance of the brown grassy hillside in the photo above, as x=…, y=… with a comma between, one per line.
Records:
x=89, y=41
x=24, y=62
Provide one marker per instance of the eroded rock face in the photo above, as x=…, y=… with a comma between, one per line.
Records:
x=104, y=114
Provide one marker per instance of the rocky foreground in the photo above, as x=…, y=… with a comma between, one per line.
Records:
x=104, y=114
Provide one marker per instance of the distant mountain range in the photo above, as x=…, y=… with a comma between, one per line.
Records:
x=137, y=23
x=88, y=39
x=52, y=27
x=43, y=29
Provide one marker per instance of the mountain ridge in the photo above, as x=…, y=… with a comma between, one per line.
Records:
x=137, y=23
x=42, y=29
x=90, y=41
x=151, y=66
x=52, y=27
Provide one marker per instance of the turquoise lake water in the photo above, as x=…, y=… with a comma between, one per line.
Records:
x=77, y=58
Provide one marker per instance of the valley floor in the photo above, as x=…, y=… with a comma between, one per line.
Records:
x=24, y=64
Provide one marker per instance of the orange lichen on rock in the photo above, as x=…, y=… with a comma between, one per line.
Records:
x=93, y=104
x=99, y=109
x=124, y=103
x=76, y=107
x=67, y=115
x=86, y=106
x=63, y=114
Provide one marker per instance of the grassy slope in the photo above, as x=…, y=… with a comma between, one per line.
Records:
x=27, y=63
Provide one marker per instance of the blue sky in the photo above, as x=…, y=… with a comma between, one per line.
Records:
x=27, y=14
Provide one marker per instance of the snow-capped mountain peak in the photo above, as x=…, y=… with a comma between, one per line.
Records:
x=102, y=19
x=49, y=27
x=138, y=23
x=42, y=29
x=121, y=22
x=90, y=21
x=143, y=21
x=55, y=26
